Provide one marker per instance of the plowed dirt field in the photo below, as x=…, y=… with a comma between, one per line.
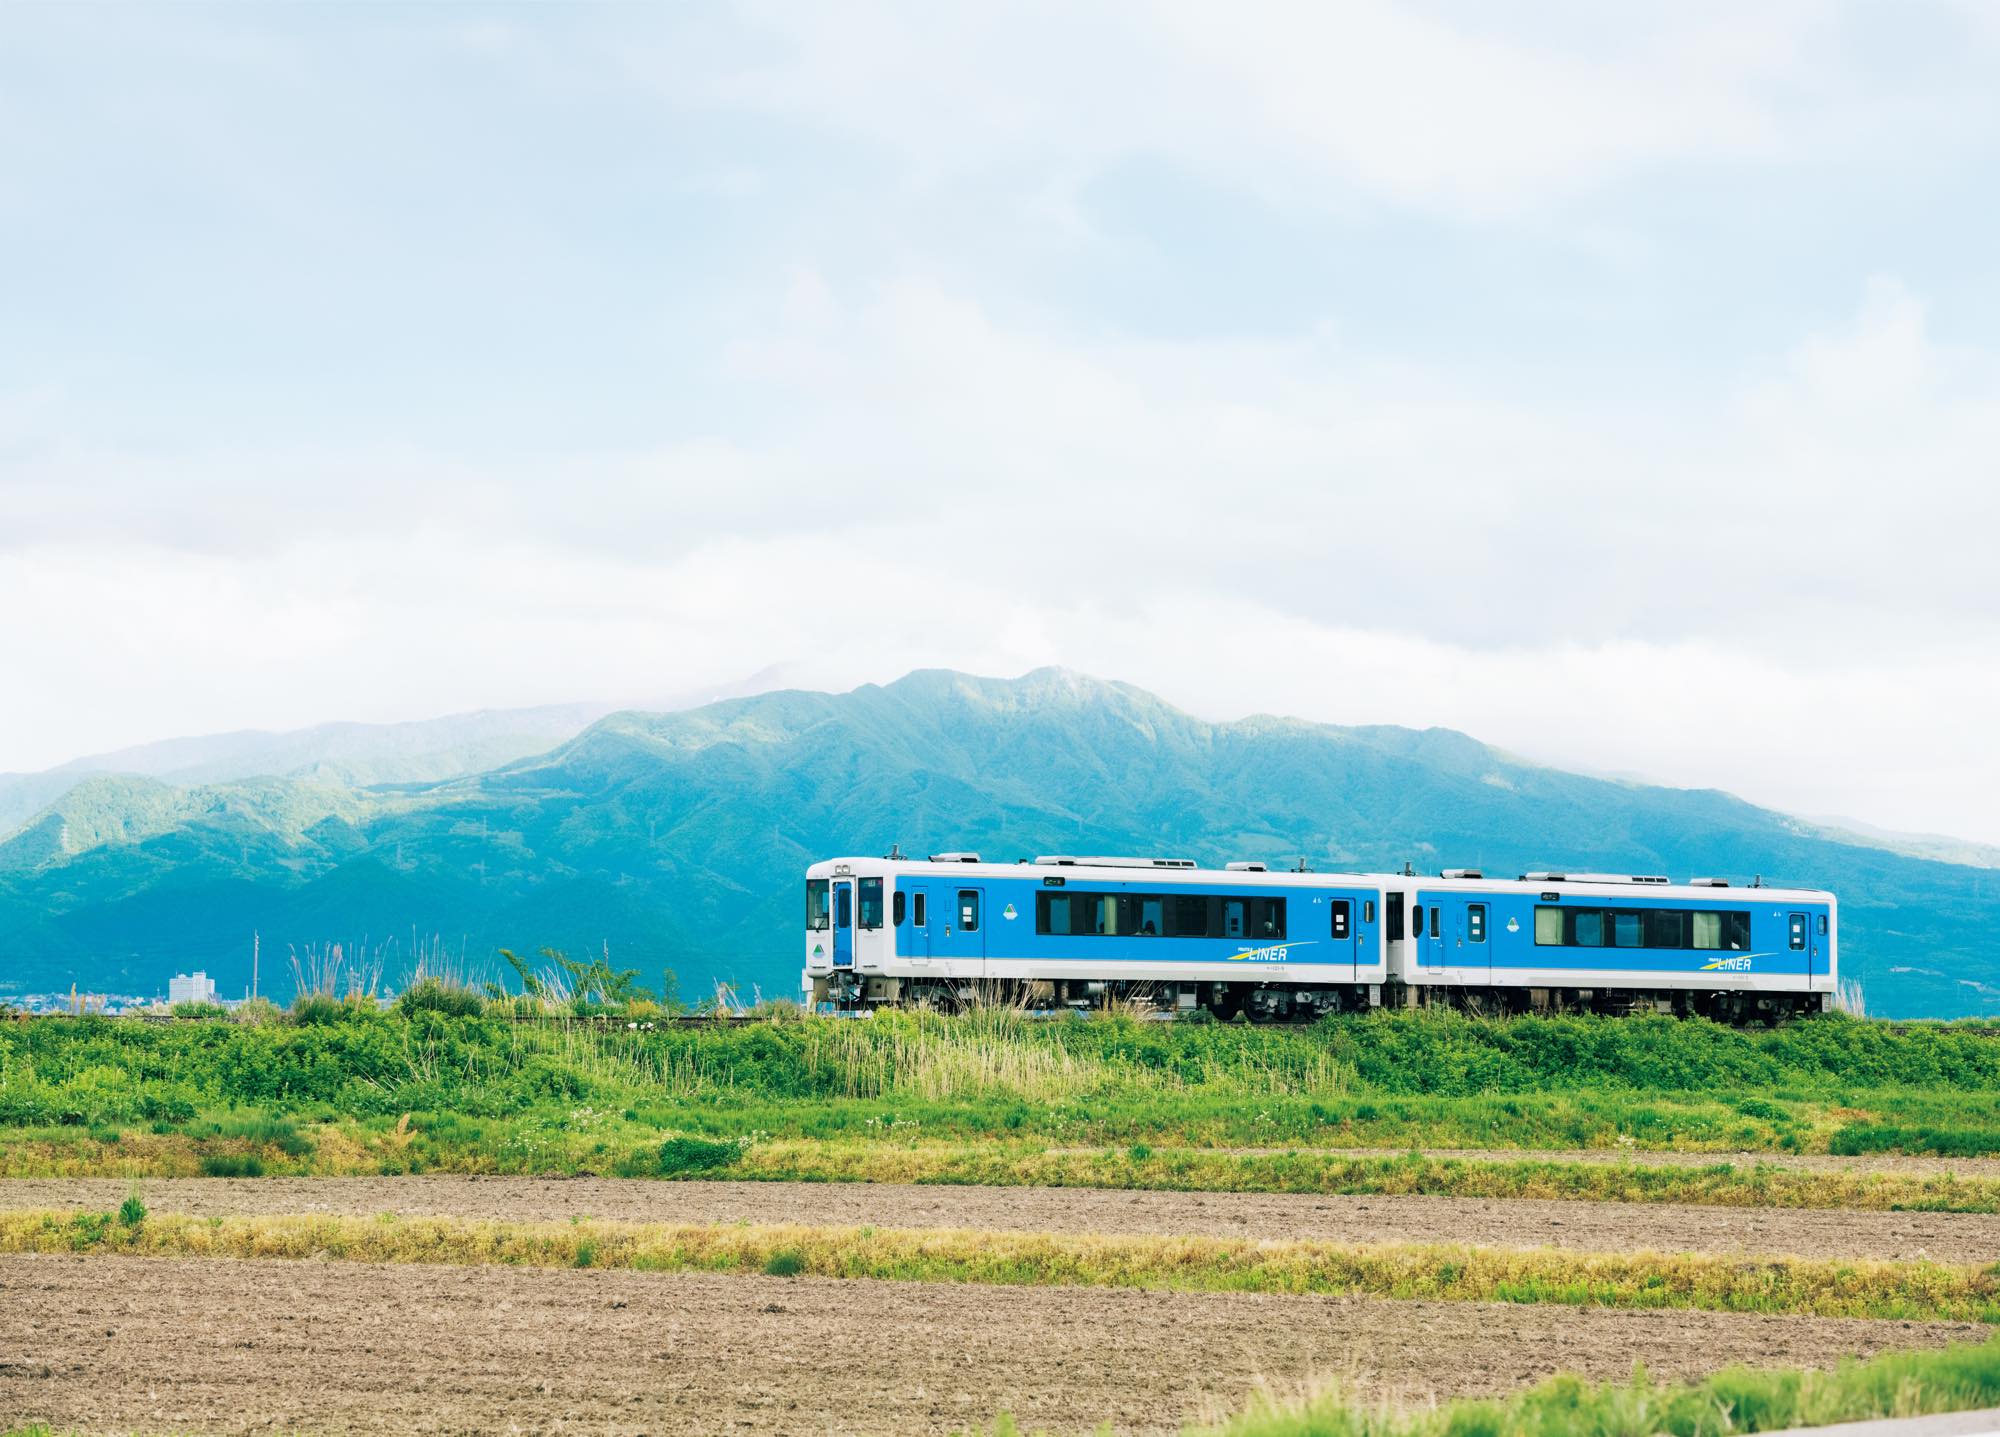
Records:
x=112, y=1343
x=1592, y=1226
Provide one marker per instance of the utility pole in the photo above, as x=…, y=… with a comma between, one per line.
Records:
x=255, y=944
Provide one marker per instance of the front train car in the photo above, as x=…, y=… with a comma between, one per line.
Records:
x=1073, y=932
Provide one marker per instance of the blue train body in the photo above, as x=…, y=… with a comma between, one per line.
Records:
x=1063, y=931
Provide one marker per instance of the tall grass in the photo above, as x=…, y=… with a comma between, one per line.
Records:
x=1957, y=1378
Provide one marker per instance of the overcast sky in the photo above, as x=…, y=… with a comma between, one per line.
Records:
x=1620, y=385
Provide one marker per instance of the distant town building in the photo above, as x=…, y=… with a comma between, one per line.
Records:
x=190, y=988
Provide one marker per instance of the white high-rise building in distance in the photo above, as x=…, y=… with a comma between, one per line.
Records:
x=190, y=988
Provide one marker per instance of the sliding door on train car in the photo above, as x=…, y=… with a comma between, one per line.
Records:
x=843, y=924
x=965, y=932
x=1345, y=934
x=915, y=944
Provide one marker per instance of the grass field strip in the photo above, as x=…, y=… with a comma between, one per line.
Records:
x=328, y=1153
x=1901, y=1290
x=1334, y=1172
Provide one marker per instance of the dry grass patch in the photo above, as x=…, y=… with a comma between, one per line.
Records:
x=1906, y=1290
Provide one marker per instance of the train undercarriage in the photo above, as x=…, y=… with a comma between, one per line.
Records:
x=1297, y=1003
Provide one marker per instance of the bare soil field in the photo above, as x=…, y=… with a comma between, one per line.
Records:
x=111, y=1343
x=1512, y=1222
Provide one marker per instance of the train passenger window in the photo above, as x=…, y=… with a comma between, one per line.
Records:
x=1367, y=910
x=1822, y=925
x=816, y=903
x=1435, y=910
x=968, y=910
x=1235, y=917
x=1628, y=930
x=1798, y=930
x=1589, y=929
x=1053, y=915
x=1342, y=910
x=1707, y=929
x=1549, y=926
x=1267, y=918
x=843, y=906
x=1152, y=918
x=1190, y=916
x=1666, y=928
x=896, y=909
x=1475, y=923
x=1736, y=931
x=871, y=902
x=921, y=918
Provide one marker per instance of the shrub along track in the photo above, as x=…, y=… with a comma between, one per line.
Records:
x=1587, y=1226
x=213, y=1345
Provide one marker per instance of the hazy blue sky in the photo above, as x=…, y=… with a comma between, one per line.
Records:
x=1620, y=384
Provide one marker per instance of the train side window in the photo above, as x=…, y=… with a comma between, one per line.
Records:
x=1267, y=918
x=1736, y=931
x=897, y=907
x=1053, y=915
x=817, y=906
x=1666, y=928
x=1341, y=911
x=871, y=902
x=1822, y=925
x=1548, y=926
x=1707, y=929
x=1798, y=930
x=1235, y=917
x=920, y=918
x=1436, y=908
x=1475, y=922
x=968, y=910
x=1190, y=916
x=1628, y=929
x=1152, y=916
x=1589, y=927
x=1367, y=910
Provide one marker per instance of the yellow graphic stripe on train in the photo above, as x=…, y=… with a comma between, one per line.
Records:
x=1274, y=954
x=1735, y=962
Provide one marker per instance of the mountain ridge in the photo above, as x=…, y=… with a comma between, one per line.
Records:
x=678, y=838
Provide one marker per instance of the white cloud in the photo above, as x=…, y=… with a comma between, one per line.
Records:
x=1791, y=596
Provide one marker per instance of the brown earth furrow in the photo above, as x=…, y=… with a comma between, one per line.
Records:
x=1511, y=1222
x=1906, y=1165
x=118, y=1344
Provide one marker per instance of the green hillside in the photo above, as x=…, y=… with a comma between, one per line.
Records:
x=679, y=839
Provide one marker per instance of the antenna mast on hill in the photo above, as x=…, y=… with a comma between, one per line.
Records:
x=255, y=944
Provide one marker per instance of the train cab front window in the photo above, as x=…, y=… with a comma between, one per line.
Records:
x=871, y=902
x=816, y=903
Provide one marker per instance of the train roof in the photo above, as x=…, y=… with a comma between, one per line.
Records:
x=1175, y=871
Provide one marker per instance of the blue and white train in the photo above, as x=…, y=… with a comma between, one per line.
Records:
x=1061, y=932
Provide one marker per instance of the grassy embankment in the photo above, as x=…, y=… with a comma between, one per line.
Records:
x=1439, y=1272
x=991, y=1098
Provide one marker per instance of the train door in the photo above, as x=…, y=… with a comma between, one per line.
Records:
x=1799, y=928
x=1474, y=951
x=971, y=924
x=843, y=924
x=920, y=925
x=1346, y=943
